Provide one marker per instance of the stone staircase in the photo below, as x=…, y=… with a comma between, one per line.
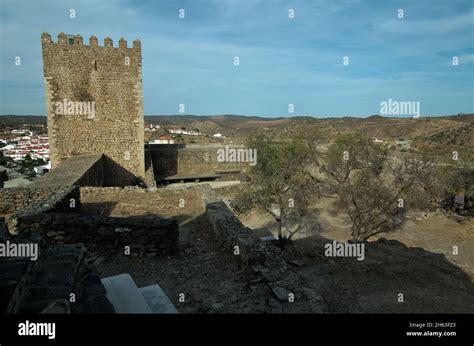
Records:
x=127, y=298
x=49, y=284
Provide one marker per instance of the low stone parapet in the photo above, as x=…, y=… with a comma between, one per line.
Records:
x=263, y=258
x=60, y=199
x=231, y=232
x=14, y=199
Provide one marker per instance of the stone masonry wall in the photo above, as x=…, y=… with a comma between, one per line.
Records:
x=149, y=173
x=59, y=200
x=95, y=175
x=230, y=230
x=12, y=199
x=57, y=219
x=143, y=235
x=172, y=159
x=108, y=76
x=15, y=199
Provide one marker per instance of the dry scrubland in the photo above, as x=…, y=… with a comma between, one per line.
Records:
x=436, y=133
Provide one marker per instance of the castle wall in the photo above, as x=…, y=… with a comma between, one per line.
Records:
x=178, y=159
x=59, y=220
x=41, y=199
x=15, y=198
x=94, y=104
x=102, y=234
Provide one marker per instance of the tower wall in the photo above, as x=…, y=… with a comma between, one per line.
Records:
x=94, y=103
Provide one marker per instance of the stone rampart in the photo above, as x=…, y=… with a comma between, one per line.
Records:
x=178, y=159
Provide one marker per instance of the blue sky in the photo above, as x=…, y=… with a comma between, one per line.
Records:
x=282, y=60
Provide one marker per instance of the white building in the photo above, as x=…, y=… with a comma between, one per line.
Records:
x=164, y=140
x=184, y=132
x=42, y=169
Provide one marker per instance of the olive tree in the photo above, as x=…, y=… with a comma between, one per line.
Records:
x=279, y=183
x=372, y=187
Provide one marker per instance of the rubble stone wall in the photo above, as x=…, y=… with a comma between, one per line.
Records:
x=146, y=235
x=178, y=159
x=57, y=219
x=35, y=200
x=59, y=199
x=15, y=198
x=231, y=232
x=149, y=173
x=113, y=193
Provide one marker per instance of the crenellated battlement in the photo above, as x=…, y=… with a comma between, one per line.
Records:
x=77, y=40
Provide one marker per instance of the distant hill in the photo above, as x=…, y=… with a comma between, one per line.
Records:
x=221, y=119
x=23, y=119
x=233, y=119
x=427, y=131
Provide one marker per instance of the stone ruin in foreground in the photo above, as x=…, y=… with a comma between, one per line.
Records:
x=95, y=123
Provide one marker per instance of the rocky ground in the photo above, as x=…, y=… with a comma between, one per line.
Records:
x=210, y=279
x=428, y=282
x=213, y=280
x=414, y=272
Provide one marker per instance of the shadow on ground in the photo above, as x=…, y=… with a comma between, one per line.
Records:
x=392, y=278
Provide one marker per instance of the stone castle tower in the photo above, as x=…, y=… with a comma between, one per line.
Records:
x=94, y=103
